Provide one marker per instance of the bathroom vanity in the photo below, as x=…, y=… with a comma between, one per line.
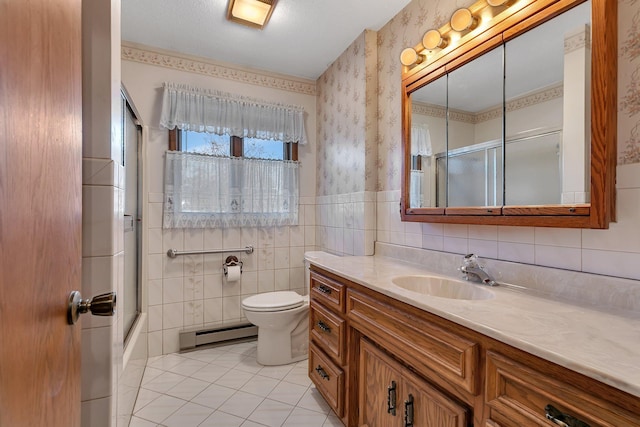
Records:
x=389, y=355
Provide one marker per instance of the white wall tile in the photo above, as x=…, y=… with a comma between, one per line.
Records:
x=170, y=341
x=194, y=239
x=619, y=264
x=231, y=238
x=623, y=235
x=433, y=229
x=456, y=245
x=173, y=290
x=155, y=215
x=98, y=221
x=96, y=413
x=212, y=285
x=155, y=266
x=483, y=232
x=517, y=252
x=456, y=230
x=566, y=237
x=281, y=257
x=172, y=315
x=249, y=284
x=266, y=281
x=435, y=243
x=484, y=248
x=281, y=278
x=516, y=234
x=154, y=292
x=558, y=257
x=213, y=310
x=96, y=369
x=172, y=267
x=231, y=309
x=154, y=343
x=155, y=318
x=154, y=237
x=213, y=238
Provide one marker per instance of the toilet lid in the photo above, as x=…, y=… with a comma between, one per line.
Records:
x=273, y=301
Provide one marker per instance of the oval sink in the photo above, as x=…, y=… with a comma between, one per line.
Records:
x=442, y=287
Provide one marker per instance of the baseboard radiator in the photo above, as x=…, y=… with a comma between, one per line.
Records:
x=191, y=339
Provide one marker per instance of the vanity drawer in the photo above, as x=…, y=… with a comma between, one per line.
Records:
x=423, y=345
x=328, y=378
x=328, y=291
x=328, y=331
x=517, y=395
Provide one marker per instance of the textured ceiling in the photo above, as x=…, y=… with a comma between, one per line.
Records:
x=302, y=39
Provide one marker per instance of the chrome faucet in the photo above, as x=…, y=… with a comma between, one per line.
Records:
x=474, y=272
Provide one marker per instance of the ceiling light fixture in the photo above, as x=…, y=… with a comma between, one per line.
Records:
x=496, y=3
x=253, y=13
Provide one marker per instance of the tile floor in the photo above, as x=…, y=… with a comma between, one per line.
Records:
x=224, y=386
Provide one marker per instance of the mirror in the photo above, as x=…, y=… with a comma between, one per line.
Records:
x=506, y=130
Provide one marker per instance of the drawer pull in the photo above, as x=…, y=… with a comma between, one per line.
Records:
x=324, y=289
x=562, y=419
x=391, y=399
x=322, y=373
x=408, y=411
x=324, y=327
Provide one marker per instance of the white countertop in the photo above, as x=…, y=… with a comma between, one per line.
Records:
x=599, y=344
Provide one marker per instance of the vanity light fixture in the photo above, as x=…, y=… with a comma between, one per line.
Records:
x=462, y=19
x=432, y=39
x=409, y=57
x=495, y=3
x=253, y=13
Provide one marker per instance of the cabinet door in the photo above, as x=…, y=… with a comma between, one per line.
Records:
x=424, y=406
x=379, y=388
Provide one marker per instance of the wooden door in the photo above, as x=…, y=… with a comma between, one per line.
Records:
x=379, y=392
x=40, y=211
x=428, y=406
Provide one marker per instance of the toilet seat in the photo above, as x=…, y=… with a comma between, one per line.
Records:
x=273, y=301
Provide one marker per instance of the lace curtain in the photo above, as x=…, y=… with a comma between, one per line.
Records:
x=420, y=141
x=203, y=191
x=203, y=110
x=416, y=198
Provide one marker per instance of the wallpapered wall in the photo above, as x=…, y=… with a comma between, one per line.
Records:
x=408, y=27
x=346, y=121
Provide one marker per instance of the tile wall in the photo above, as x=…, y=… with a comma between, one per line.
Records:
x=102, y=204
x=346, y=223
x=191, y=292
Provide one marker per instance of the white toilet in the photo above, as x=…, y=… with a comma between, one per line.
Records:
x=282, y=319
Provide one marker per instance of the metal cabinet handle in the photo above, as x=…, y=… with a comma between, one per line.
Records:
x=324, y=289
x=408, y=411
x=101, y=305
x=562, y=419
x=324, y=327
x=391, y=399
x=322, y=373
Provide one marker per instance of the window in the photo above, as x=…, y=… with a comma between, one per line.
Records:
x=232, y=160
x=225, y=145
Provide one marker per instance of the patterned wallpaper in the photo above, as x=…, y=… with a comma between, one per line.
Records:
x=346, y=121
x=629, y=81
x=407, y=28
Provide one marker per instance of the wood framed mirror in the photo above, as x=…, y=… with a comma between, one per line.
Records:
x=513, y=120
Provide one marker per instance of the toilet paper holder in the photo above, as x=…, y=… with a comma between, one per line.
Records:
x=231, y=261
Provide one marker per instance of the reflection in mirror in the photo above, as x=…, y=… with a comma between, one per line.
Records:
x=428, y=136
x=547, y=124
x=474, y=164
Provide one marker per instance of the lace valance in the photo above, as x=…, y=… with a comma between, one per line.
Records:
x=203, y=110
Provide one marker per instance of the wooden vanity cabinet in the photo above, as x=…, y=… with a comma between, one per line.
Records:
x=379, y=350
x=328, y=367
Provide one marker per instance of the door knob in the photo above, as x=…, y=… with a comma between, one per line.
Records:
x=101, y=305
